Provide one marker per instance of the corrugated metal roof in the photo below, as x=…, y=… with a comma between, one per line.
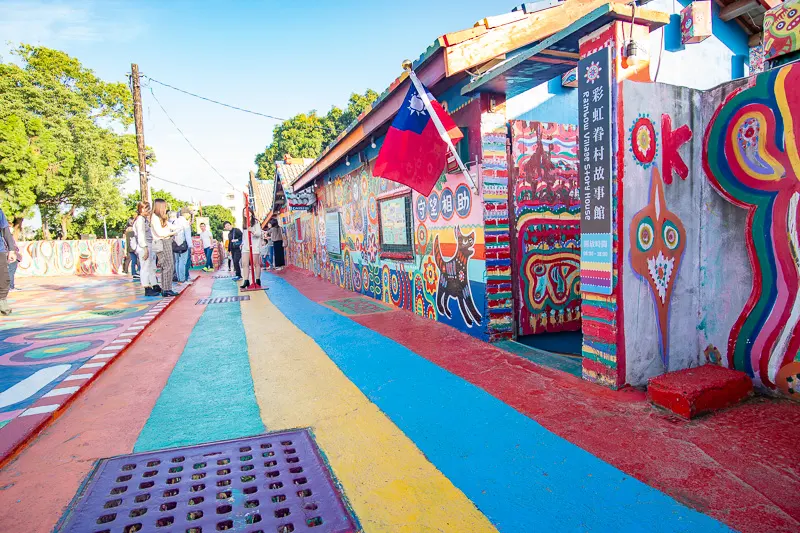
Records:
x=289, y=172
x=263, y=197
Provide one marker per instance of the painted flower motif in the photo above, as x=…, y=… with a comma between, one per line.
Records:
x=419, y=305
x=431, y=274
x=643, y=139
x=661, y=272
x=593, y=72
x=372, y=249
x=431, y=312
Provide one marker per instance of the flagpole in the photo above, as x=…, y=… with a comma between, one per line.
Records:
x=437, y=122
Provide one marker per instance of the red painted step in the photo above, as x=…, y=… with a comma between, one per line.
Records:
x=693, y=391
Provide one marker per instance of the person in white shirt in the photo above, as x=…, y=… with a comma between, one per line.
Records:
x=183, y=234
x=162, y=245
x=252, y=237
x=207, y=239
x=143, y=239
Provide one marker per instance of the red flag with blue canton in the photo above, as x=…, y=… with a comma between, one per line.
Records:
x=413, y=152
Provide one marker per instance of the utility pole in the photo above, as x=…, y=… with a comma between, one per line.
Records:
x=137, y=118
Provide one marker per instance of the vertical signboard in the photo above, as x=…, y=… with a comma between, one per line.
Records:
x=596, y=157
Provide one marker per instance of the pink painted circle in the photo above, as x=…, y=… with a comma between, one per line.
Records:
x=643, y=140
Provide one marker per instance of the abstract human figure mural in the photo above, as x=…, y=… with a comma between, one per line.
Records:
x=751, y=155
x=658, y=239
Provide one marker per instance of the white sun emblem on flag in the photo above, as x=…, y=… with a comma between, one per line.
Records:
x=593, y=72
x=416, y=105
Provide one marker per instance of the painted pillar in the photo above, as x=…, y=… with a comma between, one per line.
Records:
x=603, y=337
x=494, y=177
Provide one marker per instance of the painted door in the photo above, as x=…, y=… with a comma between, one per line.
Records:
x=546, y=232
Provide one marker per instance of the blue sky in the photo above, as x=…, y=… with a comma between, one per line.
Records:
x=277, y=57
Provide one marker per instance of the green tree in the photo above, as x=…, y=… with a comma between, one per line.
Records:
x=62, y=133
x=217, y=216
x=307, y=134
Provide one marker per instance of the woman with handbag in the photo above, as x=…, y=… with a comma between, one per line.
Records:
x=143, y=239
x=252, y=236
x=180, y=247
x=162, y=245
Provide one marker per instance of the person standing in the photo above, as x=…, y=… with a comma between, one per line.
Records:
x=144, y=250
x=251, y=239
x=235, y=249
x=183, y=239
x=131, y=259
x=12, y=270
x=8, y=253
x=162, y=245
x=186, y=213
x=208, y=239
x=275, y=237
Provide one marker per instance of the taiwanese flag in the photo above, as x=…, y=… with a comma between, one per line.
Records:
x=413, y=152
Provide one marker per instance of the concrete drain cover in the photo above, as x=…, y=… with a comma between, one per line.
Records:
x=222, y=300
x=273, y=483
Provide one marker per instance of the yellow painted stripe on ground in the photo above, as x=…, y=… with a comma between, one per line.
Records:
x=388, y=481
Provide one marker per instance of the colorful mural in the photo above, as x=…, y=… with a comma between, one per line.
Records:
x=751, y=156
x=444, y=279
x=494, y=175
x=547, y=226
x=54, y=330
x=782, y=29
x=658, y=239
x=100, y=257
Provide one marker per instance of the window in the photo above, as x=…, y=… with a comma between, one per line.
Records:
x=333, y=235
x=396, y=231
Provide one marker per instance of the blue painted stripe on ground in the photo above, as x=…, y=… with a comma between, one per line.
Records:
x=523, y=477
x=209, y=395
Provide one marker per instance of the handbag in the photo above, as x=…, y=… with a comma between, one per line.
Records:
x=180, y=248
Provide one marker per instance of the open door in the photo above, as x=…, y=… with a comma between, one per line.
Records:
x=546, y=235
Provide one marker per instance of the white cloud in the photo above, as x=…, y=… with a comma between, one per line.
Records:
x=54, y=22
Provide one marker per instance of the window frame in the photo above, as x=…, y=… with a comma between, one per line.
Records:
x=396, y=251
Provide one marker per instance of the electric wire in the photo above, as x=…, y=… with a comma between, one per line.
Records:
x=176, y=183
x=215, y=101
x=190, y=143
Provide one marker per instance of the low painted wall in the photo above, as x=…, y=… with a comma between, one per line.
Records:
x=711, y=195
x=444, y=277
x=96, y=257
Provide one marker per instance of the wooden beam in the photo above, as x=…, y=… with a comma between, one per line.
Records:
x=515, y=35
x=737, y=9
x=535, y=27
x=501, y=20
x=451, y=39
x=755, y=40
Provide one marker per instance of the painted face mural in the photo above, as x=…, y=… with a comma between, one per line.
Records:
x=657, y=241
x=782, y=29
x=752, y=157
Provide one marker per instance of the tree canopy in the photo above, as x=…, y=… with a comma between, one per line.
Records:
x=63, y=140
x=217, y=216
x=307, y=134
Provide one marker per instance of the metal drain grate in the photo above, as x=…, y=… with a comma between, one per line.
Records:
x=222, y=276
x=222, y=300
x=274, y=483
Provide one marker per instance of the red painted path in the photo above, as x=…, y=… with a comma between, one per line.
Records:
x=105, y=420
x=739, y=465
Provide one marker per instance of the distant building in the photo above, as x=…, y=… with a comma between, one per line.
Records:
x=234, y=202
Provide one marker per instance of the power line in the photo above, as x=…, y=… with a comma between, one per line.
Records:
x=190, y=143
x=176, y=183
x=215, y=101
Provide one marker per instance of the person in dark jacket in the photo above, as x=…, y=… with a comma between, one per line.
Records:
x=8, y=253
x=235, y=248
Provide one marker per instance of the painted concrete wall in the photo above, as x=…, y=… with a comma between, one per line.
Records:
x=730, y=291
x=698, y=66
x=549, y=102
x=96, y=257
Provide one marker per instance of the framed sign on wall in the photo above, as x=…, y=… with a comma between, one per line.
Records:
x=333, y=233
x=396, y=227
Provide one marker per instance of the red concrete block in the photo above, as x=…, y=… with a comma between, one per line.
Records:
x=693, y=391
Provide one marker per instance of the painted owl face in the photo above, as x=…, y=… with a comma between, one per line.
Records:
x=658, y=239
x=781, y=30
